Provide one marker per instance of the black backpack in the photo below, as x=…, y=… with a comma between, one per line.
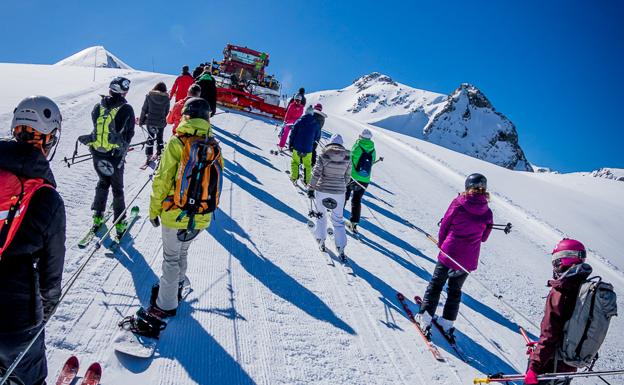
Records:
x=365, y=163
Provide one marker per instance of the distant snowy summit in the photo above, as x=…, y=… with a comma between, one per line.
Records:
x=609, y=173
x=96, y=56
x=465, y=121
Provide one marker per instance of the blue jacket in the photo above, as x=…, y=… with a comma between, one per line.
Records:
x=305, y=132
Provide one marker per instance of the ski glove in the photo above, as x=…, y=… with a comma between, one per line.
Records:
x=310, y=194
x=155, y=222
x=530, y=378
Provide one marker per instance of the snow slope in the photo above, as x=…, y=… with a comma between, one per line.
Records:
x=268, y=309
x=96, y=56
x=465, y=121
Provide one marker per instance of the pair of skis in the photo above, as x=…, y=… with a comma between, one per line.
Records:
x=88, y=238
x=70, y=371
x=426, y=334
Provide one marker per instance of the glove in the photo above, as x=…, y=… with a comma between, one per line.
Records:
x=310, y=194
x=530, y=347
x=155, y=221
x=530, y=378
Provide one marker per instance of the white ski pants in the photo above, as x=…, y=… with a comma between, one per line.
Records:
x=320, y=231
x=173, y=268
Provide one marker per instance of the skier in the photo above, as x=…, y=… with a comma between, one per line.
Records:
x=363, y=156
x=304, y=133
x=208, y=89
x=181, y=84
x=327, y=187
x=301, y=93
x=32, y=257
x=178, y=229
x=320, y=116
x=153, y=114
x=466, y=224
x=175, y=114
x=198, y=70
x=293, y=113
x=113, y=122
x=569, y=272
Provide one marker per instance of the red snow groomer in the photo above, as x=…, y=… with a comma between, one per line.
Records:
x=242, y=83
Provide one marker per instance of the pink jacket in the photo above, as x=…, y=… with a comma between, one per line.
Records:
x=293, y=113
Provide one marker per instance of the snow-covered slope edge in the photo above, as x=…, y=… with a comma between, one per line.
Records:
x=465, y=121
x=96, y=56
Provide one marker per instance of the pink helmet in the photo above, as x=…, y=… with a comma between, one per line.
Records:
x=318, y=107
x=568, y=252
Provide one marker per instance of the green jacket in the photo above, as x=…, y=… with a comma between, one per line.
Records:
x=356, y=152
x=164, y=178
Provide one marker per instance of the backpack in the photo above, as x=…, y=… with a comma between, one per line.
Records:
x=365, y=163
x=583, y=334
x=198, y=180
x=104, y=137
x=15, y=196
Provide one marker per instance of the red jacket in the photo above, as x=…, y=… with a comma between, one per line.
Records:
x=558, y=310
x=175, y=114
x=180, y=86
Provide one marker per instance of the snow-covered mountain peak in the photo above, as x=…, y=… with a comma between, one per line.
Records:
x=371, y=79
x=474, y=96
x=96, y=56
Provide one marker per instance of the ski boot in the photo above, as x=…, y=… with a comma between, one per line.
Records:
x=121, y=228
x=341, y=254
x=156, y=289
x=352, y=227
x=98, y=220
x=321, y=244
x=423, y=319
x=447, y=328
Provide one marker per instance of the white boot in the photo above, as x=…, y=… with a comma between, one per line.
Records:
x=446, y=325
x=424, y=320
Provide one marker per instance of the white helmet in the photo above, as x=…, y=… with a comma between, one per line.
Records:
x=38, y=112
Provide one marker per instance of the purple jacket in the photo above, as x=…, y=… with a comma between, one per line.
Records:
x=465, y=225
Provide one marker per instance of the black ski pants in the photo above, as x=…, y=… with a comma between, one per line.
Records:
x=155, y=134
x=456, y=279
x=106, y=182
x=356, y=202
x=33, y=369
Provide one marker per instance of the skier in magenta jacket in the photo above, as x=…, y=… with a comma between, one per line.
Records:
x=293, y=113
x=466, y=223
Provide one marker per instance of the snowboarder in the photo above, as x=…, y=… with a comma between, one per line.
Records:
x=181, y=84
x=154, y=114
x=327, y=187
x=304, y=133
x=178, y=227
x=293, y=113
x=32, y=257
x=113, y=122
x=175, y=114
x=569, y=272
x=301, y=93
x=363, y=157
x=466, y=224
x=320, y=116
x=208, y=89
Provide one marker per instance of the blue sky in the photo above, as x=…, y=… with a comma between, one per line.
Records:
x=555, y=68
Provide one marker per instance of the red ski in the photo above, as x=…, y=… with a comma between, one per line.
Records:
x=68, y=372
x=432, y=348
x=93, y=375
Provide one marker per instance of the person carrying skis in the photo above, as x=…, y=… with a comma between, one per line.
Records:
x=179, y=227
x=181, y=85
x=175, y=114
x=113, y=122
x=305, y=132
x=569, y=272
x=466, y=224
x=32, y=243
x=363, y=157
x=293, y=113
x=320, y=116
x=154, y=115
x=208, y=89
x=327, y=188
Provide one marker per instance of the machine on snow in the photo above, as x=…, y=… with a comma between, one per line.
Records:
x=243, y=84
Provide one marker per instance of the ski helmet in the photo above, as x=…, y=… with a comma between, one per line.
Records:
x=366, y=134
x=568, y=252
x=318, y=107
x=39, y=113
x=119, y=85
x=475, y=181
x=196, y=108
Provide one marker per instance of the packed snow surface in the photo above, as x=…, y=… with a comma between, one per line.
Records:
x=266, y=306
x=96, y=56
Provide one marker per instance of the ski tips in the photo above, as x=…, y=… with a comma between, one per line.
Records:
x=400, y=296
x=96, y=370
x=72, y=362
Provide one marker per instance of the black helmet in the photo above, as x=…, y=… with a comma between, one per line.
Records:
x=119, y=85
x=185, y=68
x=196, y=108
x=476, y=181
x=301, y=90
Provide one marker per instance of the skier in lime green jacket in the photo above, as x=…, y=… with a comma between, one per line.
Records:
x=363, y=156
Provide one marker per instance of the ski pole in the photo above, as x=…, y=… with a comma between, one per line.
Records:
x=504, y=228
x=497, y=296
x=65, y=289
x=545, y=377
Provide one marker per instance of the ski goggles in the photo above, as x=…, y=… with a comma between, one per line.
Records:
x=30, y=135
